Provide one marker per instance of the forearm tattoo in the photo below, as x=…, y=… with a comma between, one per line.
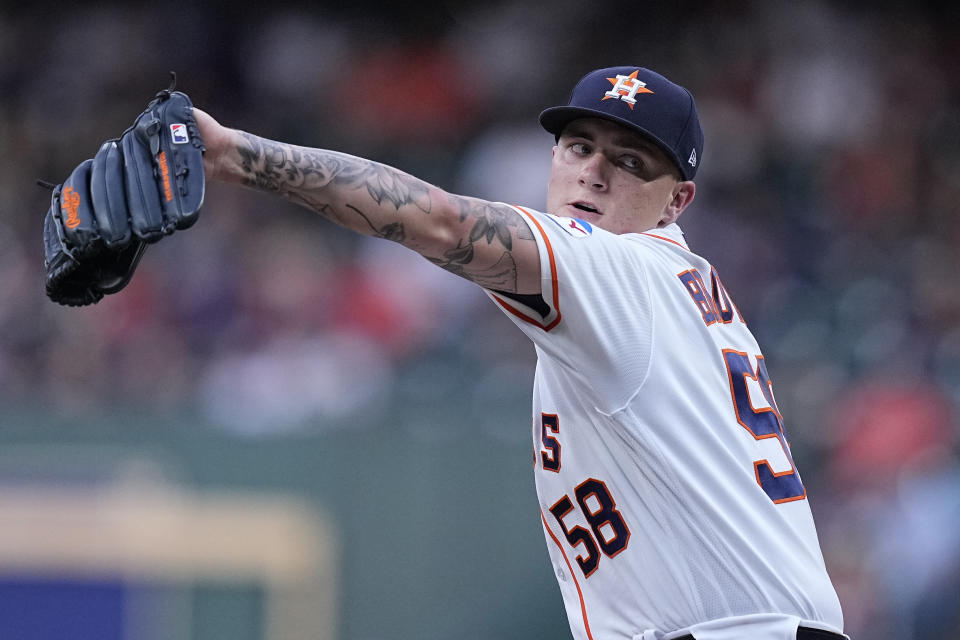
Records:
x=305, y=176
x=297, y=172
x=491, y=221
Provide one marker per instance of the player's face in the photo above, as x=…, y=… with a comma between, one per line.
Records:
x=613, y=178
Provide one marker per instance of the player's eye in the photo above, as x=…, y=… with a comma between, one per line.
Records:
x=631, y=163
x=580, y=148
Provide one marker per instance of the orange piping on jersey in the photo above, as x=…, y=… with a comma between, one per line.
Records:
x=653, y=235
x=583, y=606
x=506, y=306
x=553, y=282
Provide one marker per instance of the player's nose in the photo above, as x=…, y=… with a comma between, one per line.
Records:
x=593, y=172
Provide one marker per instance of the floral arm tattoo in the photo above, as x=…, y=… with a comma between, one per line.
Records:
x=378, y=200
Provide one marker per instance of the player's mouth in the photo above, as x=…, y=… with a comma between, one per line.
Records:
x=585, y=207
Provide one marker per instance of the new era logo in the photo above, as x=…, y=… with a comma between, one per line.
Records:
x=179, y=133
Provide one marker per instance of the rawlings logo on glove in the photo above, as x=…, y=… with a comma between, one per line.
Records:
x=137, y=189
x=70, y=204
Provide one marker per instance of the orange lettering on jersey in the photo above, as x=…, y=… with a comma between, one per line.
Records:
x=165, y=175
x=69, y=204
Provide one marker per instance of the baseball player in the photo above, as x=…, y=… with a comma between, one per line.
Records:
x=671, y=505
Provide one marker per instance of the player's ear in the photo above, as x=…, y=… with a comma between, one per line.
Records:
x=681, y=197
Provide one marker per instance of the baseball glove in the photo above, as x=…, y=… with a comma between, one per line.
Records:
x=137, y=189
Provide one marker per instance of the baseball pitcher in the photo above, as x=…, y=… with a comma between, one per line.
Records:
x=671, y=505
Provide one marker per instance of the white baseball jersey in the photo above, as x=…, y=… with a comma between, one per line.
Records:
x=669, y=498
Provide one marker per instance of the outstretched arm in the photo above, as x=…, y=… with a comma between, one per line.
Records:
x=485, y=242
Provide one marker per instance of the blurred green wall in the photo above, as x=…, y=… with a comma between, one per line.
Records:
x=437, y=518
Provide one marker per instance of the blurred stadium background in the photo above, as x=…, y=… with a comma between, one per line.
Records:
x=283, y=431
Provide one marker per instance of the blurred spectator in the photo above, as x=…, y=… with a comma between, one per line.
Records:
x=897, y=482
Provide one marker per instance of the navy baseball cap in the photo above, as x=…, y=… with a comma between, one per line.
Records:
x=638, y=99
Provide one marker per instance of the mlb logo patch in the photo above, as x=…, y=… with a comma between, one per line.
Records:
x=574, y=226
x=179, y=133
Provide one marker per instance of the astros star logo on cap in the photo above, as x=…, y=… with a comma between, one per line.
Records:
x=626, y=88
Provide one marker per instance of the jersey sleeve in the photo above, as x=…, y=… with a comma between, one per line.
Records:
x=593, y=317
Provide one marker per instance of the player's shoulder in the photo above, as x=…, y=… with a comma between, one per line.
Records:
x=559, y=227
x=669, y=237
x=577, y=228
x=573, y=227
x=668, y=247
x=575, y=236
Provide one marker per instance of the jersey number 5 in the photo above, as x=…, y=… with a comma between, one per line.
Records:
x=763, y=423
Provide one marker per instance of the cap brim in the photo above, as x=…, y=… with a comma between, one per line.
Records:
x=555, y=119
